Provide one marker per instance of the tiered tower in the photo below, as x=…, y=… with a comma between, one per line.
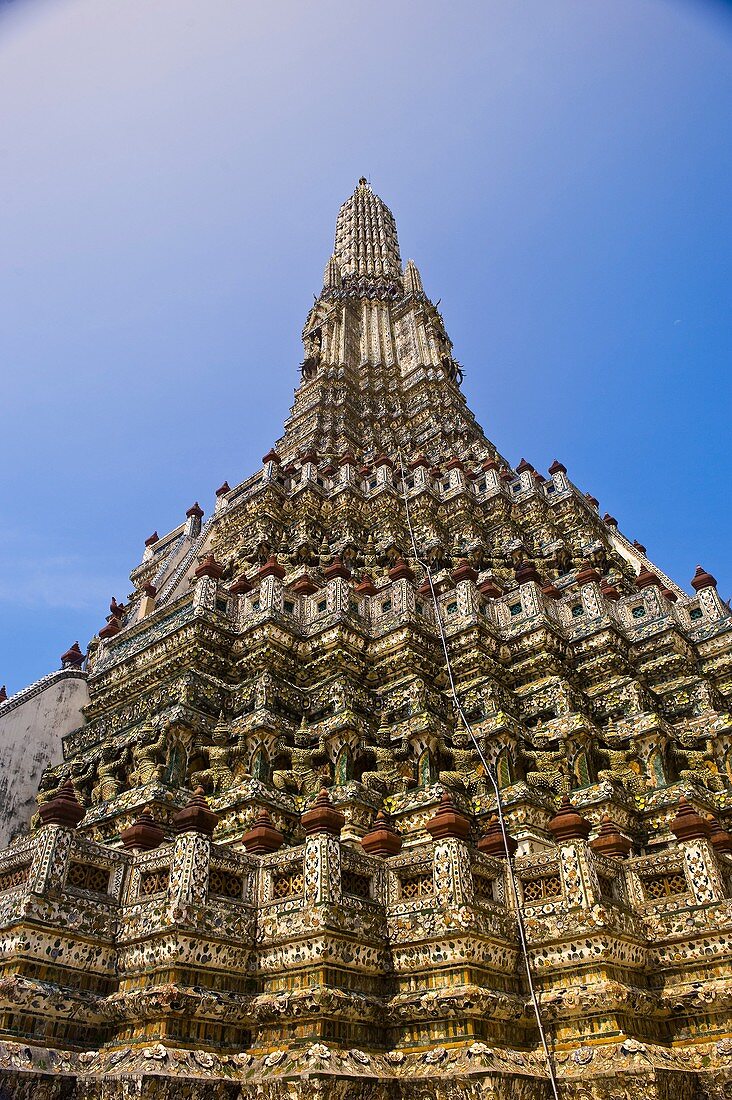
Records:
x=270, y=862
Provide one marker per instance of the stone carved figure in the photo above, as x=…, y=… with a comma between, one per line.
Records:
x=263, y=692
x=309, y=768
x=624, y=768
x=464, y=764
x=387, y=776
x=697, y=761
x=111, y=773
x=219, y=775
x=148, y=756
x=549, y=769
x=82, y=776
x=80, y=772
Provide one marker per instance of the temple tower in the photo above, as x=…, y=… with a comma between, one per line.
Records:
x=270, y=860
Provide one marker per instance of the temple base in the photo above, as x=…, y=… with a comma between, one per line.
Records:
x=478, y=1073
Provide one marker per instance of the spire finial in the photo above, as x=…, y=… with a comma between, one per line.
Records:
x=366, y=243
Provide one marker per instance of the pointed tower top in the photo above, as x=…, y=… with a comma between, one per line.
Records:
x=412, y=279
x=366, y=243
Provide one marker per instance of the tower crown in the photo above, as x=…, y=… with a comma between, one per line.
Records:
x=366, y=242
x=376, y=356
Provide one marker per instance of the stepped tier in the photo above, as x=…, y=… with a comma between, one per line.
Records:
x=274, y=691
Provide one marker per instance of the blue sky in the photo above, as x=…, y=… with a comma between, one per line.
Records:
x=559, y=170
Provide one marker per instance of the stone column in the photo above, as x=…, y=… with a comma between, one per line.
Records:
x=271, y=462
x=191, y=856
x=337, y=590
x=347, y=469
x=492, y=479
x=420, y=466
x=322, y=824
x=271, y=589
x=147, y=603
x=525, y=472
x=208, y=574
x=150, y=544
x=465, y=578
x=580, y=887
x=588, y=581
x=309, y=467
x=60, y=816
x=559, y=476
x=457, y=473
x=194, y=515
x=529, y=589
x=700, y=859
x=451, y=856
x=384, y=470
x=710, y=602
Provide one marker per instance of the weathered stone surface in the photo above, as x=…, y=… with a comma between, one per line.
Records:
x=322, y=905
x=32, y=726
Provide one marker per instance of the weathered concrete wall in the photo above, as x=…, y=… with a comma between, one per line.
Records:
x=32, y=724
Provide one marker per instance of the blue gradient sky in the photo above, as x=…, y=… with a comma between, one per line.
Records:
x=559, y=170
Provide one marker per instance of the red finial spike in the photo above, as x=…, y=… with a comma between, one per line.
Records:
x=63, y=809
x=323, y=817
x=263, y=836
x=382, y=839
x=73, y=657
x=702, y=579
x=448, y=821
x=196, y=816
x=567, y=824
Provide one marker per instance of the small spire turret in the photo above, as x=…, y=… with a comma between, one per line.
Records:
x=332, y=274
x=412, y=279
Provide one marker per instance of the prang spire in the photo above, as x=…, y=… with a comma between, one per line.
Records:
x=384, y=634
x=366, y=242
x=378, y=372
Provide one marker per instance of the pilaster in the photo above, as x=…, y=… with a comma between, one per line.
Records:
x=452, y=873
x=322, y=870
x=189, y=865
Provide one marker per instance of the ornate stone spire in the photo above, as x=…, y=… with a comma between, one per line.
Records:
x=378, y=372
x=366, y=243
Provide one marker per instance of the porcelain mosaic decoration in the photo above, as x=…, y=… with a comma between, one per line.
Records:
x=269, y=865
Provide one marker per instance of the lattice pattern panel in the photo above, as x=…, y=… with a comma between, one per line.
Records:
x=224, y=884
x=607, y=887
x=483, y=888
x=154, y=882
x=357, y=885
x=14, y=876
x=656, y=887
x=546, y=888
x=288, y=884
x=413, y=887
x=88, y=876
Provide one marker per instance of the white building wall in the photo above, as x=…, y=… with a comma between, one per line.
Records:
x=32, y=724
